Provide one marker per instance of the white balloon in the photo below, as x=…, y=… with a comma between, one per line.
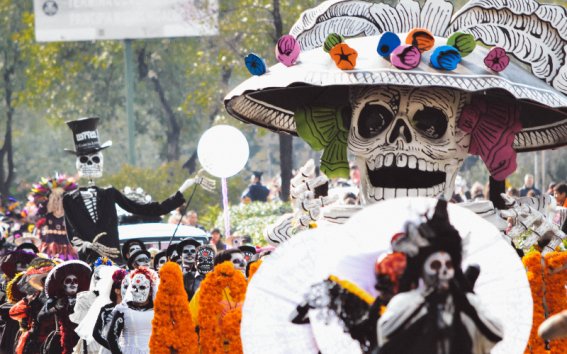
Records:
x=223, y=151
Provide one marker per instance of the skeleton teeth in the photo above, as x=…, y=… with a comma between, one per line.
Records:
x=389, y=193
x=401, y=192
x=422, y=192
x=402, y=160
x=388, y=160
x=430, y=191
x=429, y=166
x=412, y=192
x=436, y=166
x=412, y=162
x=378, y=193
x=421, y=165
x=379, y=161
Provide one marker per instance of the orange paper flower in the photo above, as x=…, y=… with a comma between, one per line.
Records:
x=171, y=316
x=344, y=56
x=421, y=38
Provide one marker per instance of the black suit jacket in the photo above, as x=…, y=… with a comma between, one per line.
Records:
x=80, y=224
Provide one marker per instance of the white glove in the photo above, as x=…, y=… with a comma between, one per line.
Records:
x=206, y=183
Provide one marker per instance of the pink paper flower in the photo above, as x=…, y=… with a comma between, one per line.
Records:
x=287, y=50
x=405, y=57
x=497, y=59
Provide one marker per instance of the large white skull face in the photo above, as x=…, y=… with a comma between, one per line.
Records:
x=188, y=255
x=406, y=140
x=438, y=270
x=90, y=166
x=140, y=287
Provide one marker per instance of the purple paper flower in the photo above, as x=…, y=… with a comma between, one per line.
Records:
x=287, y=50
x=405, y=57
x=497, y=59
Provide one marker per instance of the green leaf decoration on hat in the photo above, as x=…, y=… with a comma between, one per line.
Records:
x=323, y=129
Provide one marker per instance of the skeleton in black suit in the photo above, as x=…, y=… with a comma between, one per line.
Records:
x=90, y=212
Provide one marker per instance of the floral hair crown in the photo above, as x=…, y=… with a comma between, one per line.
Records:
x=102, y=261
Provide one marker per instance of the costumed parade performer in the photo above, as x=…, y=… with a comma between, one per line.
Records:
x=48, y=197
x=90, y=212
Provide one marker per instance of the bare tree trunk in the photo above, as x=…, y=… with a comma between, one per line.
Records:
x=7, y=152
x=286, y=140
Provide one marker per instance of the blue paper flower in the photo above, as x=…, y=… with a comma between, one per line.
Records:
x=255, y=64
x=445, y=57
x=388, y=42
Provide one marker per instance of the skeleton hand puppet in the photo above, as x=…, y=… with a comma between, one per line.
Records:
x=90, y=212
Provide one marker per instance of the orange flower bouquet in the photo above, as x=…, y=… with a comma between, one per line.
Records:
x=172, y=328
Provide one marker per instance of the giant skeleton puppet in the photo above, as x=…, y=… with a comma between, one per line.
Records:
x=90, y=212
x=408, y=122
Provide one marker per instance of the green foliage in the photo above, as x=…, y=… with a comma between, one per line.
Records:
x=251, y=219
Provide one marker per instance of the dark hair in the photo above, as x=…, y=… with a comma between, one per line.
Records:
x=224, y=256
x=115, y=286
x=560, y=188
x=216, y=230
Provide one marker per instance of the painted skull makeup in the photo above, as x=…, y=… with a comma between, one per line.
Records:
x=239, y=262
x=90, y=165
x=406, y=140
x=188, y=255
x=134, y=248
x=205, y=259
x=161, y=262
x=140, y=287
x=124, y=286
x=141, y=260
x=438, y=270
x=71, y=285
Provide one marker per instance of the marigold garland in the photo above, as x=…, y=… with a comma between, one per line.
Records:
x=253, y=269
x=213, y=329
x=171, y=315
x=547, y=277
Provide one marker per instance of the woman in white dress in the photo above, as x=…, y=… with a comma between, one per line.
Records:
x=131, y=324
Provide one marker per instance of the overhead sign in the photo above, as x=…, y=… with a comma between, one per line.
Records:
x=85, y=20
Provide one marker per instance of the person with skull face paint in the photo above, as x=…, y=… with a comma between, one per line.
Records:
x=131, y=325
x=187, y=250
x=90, y=213
x=444, y=316
x=159, y=260
x=236, y=256
x=138, y=259
x=62, y=285
x=132, y=246
x=204, y=264
x=105, y=315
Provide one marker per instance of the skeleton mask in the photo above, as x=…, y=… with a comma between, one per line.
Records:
x=90, y=166
x=71, y=285
x=141, y=260
x=134, y=248
x=205, y=259
x=140, y=287
x=239, y=262
x=188, y=255
x=406, y=140
x=124, y=286
x=438, y=270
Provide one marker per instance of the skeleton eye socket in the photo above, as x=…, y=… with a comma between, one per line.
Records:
x=435, y=265
x=430, y=122
x=83, y=159
x=449, y=264
x=96, y=159
x=373, y=120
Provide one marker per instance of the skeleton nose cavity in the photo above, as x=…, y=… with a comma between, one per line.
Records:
x=400, y=130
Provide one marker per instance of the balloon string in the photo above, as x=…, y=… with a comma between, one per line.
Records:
x=226, y=211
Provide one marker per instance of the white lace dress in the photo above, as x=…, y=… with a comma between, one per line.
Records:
x=130, y=330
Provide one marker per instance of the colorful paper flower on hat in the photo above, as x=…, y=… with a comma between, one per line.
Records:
x=287, y=50
x=40, y=191
x=420, y=38
x=332, y=40
x=344, y=56
x=405, y=57
x=323, y=129
x=463, y=42
x=492, y=124
x=102, y=261
x=255, y=64
x=497, y=59
x=388, y=42
x=445, y=58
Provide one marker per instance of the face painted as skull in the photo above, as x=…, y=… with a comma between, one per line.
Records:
x=140, y=286
x=161, y=261
x=205, y=259
x=70, y=285
x=239, y=262
x=438, y=270
x=188, y=255
x=134, y=248
x=141, y=260
x=90, y=165
x=406, y=140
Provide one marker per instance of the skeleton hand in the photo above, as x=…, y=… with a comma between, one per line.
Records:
x=206, y=183
x=96, y=246
x=308, y=208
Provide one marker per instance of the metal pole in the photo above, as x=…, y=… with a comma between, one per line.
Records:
x=536, y=169
x=543, y=187
x=129, y=79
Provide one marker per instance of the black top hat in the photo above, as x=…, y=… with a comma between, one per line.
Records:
x=187, y=241
x=171, y=249
x=129, y=243
x=160, y=254
x=85, y=136
x=136, y=254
